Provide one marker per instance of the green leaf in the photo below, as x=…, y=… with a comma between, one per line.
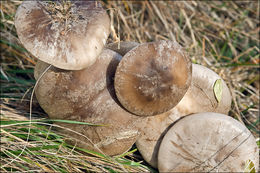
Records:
x=127, y=153
x=258, y=143
x=218, y=89
x=249, y=167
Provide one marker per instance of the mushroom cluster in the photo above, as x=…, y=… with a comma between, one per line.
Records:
x=149, y=94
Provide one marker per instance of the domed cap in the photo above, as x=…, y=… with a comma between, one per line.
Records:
x=153, y=77
x=67, y=34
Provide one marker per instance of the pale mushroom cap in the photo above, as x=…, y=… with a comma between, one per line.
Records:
x=152, y=77
x=152, y=132
x=122, y=47
x=88, y=96
x=69, y=35
x=199, y=98
x=207, y=142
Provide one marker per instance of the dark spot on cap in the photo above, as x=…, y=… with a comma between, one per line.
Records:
x=81, y=17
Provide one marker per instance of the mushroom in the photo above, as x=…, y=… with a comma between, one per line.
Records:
x=122, y=47
x=88, y=96
x=200, y=97
x=67, y=34
x=207, y=142
x=152, y=77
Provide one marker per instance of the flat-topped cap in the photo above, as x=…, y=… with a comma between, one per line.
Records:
x=207, y=142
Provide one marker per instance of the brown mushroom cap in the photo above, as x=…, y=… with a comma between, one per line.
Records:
x=123, y=47
x=199, y=98
x=69, y=34
x=88, y=96
x=152, y=77
x=207, y=142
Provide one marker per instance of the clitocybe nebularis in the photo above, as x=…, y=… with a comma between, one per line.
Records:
x=152, y=77
x=88, y=96
x=207, y=142
x=66, y=34
x=200, y=97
